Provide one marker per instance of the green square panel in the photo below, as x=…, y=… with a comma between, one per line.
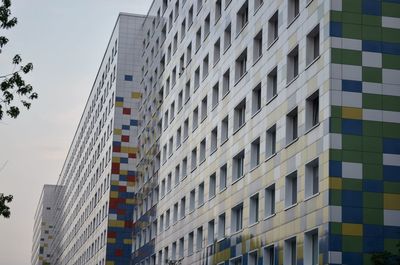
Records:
x=391, y=187
x=352, y=244
x=391, y=103
x=391, y=61
x=373, y=200
x=372, y=74
x=372, y=101
x=391, y=35
x=391, y=130
x=335, y=197
x=351, y=142
x=354, y=6
x=390, y=9
x=336, y=55
x=372, y=171
x=351, y=18
x=372, y=144
x=372, y=128
x=372, y=20
x=336, y=125
x=351, y=57
x=335, y=154
x=351, y=31
x=336, y=228
x=352, y=184
x=372, y=158
x=352, y=156
x=371, y=33
x=336, y=111
x=336, y=16
x=373, y=216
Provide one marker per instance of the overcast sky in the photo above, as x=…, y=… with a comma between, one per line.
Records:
x=65, y=40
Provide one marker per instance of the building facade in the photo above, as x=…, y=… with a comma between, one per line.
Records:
x=238, y=132
x=43, y=227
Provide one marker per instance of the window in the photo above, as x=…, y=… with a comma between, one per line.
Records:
x=181, y=247
x=290, y=256
x=162, y=222
x=195, y=121
x=311, y=249
x=190, y=243
x=180, y=100
x=269, y=255
x=241, y=65
x=200, y=199
x=257, y=46
x=186, y=129
x=197, y=78
x=198, y=39
x=273, y=26
x=272, y=84
x=257, y=4
x=171, y=146
x=254, y=209
x=170, y=21
x=177, y=175
x=212, y=186
x=192, y=200
x=205, y=67
x=183, y=29
x=202, y=157
x=293, y=10
x=190, y=16
x=175, y=216
x=252, y=258
x=239, y=115
x=204, y=108
x=211, y=232
x=163, y=188
x=226, y=83
x=218, y=10
x=312, y=178
x=270, y=200
x=312, y=110
x=291, y=126
x=215, y=95
x=242, y=17
x=166, y=253
x=291, y=189
x=172, y=111
x=183, y=207
x=176, y=9
x=199, y=5
x=223, y=173
x=194, y=159
x=293, y=64
x=227, y=2
x=237, y=218
x=184, y=167
x=207, y=26
x=189, y=53
x=169, y=182
x=312, y=51
x=238, y=166
x=199, y=239
x=255, y=153
x=154, y=229
x=227, y=37
x=271, y=141
x=238, y=260
x=221, y=226
x=187, y=91
x=165, y=5
x=224, y=129
x=214, y=139
x=166, y=120
x=217, y=51
x=256, y=99
x=175, y=42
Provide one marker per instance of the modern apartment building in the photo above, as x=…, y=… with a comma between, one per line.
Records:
x=270, y=132
x=43, y=227
x=238, y=132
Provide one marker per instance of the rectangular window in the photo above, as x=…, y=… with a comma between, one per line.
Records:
x=195, y=120
x=217, y=51
x=227, y=37
x=183, y=208
x=212, y=188
x=204, y=108
x=270, y=200
x=215, y=95
x=194, y=159
x=293, y=64
x=238, y=166
x=293, y=10
x=257, y=4
x=269, y=255
x=197, y=78
x=200, y=198
x=181, y=247
x=290, y=255
x=190, y=16
x=199, y=5
x=224, y=129
x=218, y=10
x=255, y=153
x=175, y=216
x=291, y=126
x=256, y=99
x=291, y=189
x=312, y=178
x=178, y=137
x=205, y=67
x=214, y=139
x=254, y=209
x=211, y=232
x=171, y=146
x=177, y=174
x=180, y=100
x=198, y=39
x=312, y=50
x=169, y=182
x=223, y=173
x=221, y=226
x=207, y=26
x=272, y=84
x=226, y=83
x=199, y=239
x=175, y=42
x=172, y=111
x=184, y=167
x=273, y=26
x=189, y=53
x=202, y=155
x=242, y=17
x=237, y=218
x=271, y=141
x=192, y=200
x=311, y=249
x=312, y=110
x=186, y=129
x=190, y=243
x=163, y=188
x=167, y=218
x=183, y=29
x=257, y=46
x=252, y=258
x=241, y=66
x=187, y=91
x=239, y=115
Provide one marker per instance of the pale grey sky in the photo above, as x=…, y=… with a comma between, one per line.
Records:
x=65, y=40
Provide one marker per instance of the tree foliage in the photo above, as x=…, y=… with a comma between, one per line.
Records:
x=4, y=209
x=13, y=89
x=386, y=257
